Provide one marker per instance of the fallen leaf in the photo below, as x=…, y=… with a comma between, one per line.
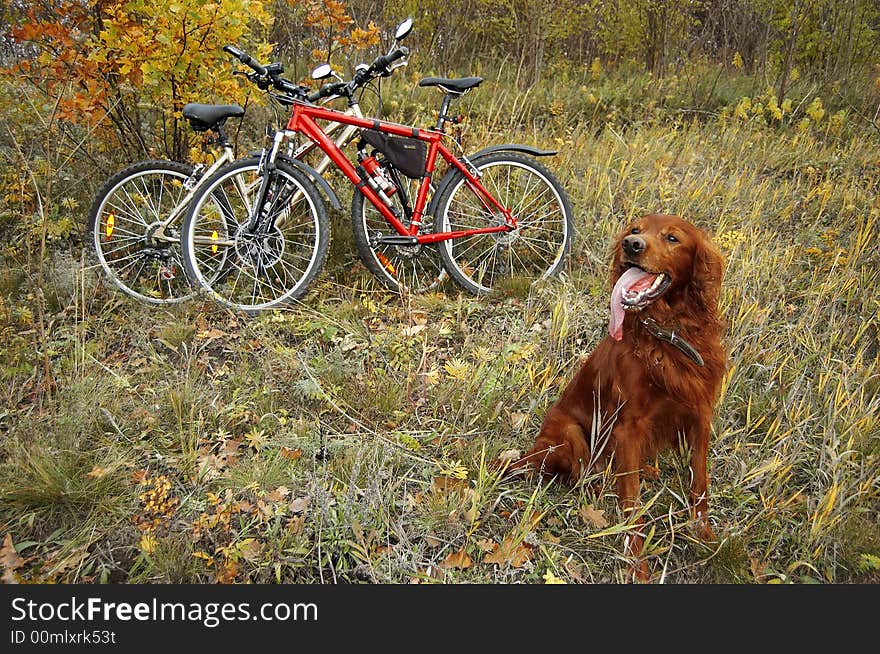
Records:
x=510, y=553
x=299, y=505
x=279, y=494
x=139, y=476
x=293, y=455
x=518, y=420
x=250, y=549
x=10, y=561
x=487, y=545
x=593, y=517
x=412, y=331
x=459, y=559
x=509, y=456
x=432, y=541
x=97, y=472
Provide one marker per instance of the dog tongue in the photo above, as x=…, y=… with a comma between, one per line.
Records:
x=629, y=280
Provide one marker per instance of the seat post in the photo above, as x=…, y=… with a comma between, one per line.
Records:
x=441, y=116
x=222, y=139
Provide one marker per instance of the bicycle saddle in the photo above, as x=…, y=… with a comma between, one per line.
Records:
x=453, y=86
x=208, y=116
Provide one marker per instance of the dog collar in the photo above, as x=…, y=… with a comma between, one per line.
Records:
x=671, y=337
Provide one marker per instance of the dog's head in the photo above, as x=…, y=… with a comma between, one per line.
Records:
x=663, y=257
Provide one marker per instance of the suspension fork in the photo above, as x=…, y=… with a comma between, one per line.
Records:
x=265, y=169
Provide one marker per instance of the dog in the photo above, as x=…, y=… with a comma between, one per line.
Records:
x=654, y=380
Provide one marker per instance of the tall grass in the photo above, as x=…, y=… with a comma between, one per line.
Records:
x=348, y=438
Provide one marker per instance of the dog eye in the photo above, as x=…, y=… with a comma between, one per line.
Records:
x=671, y=238
x=635, y=230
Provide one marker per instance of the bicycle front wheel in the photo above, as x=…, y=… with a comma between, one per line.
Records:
x=135, y=234
x=265, y=268
x=535, y=250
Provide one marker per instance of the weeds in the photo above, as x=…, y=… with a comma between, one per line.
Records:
x=347, y=439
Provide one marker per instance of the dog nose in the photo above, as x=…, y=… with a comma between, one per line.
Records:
x=633, y=244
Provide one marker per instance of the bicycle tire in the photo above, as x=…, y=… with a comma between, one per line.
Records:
x=410, y=268
x=278, y=264
x=536, y=250
x=126, y=211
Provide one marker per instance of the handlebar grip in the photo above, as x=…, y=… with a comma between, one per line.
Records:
x=327, y=89
x=245, y=58
x=385, y=60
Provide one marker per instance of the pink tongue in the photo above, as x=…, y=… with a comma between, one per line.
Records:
x=631, y=278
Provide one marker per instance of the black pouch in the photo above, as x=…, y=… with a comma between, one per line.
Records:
x=405, y=154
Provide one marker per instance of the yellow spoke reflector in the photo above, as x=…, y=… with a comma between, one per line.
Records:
x=214, y=237
x=386, y=263
x=108, y=226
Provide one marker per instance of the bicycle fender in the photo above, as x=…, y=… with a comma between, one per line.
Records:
x=507, y=147
x=514, y=147
x=316, y=177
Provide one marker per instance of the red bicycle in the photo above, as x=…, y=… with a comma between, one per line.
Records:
x=258, y=233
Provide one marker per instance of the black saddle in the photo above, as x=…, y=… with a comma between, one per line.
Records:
x=453, y=86
x=210, y=116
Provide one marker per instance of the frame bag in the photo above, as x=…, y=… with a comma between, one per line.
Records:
x=406, y=154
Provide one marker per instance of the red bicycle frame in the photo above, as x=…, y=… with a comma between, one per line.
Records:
x=303, y=119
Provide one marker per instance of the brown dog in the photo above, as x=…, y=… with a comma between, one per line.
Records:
x=655, y=379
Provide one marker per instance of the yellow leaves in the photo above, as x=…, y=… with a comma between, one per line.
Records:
x=737, y=61
x=148, y=543
x=596, y=69
x=458, y=369
x=816, y=111
x=550, y=578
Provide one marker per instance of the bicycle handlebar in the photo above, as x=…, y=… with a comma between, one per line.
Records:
x=263, y=76
x=271, y=74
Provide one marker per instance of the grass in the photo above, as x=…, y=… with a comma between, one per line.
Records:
x=331, y=442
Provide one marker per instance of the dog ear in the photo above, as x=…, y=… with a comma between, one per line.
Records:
x=708, y=272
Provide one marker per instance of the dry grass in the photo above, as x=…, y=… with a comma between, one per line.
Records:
x=347, y=439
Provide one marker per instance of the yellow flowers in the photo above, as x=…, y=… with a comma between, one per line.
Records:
x=768, y=107
x=730, y=239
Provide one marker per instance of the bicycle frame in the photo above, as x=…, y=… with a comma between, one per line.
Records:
x=302, y=121
x=227, y=156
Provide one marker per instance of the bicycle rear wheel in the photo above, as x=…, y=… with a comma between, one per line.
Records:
x=266, y=268
x=126, y=226
x=401, y=268
x=535, y=250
